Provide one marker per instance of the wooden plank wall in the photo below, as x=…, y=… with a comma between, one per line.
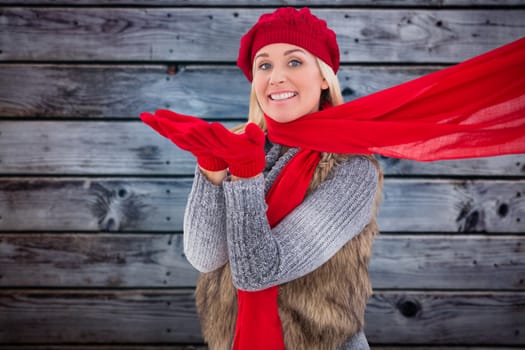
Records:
x=91, y=200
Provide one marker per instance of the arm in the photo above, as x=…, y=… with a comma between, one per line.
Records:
x=204, y=239
x=309, y=236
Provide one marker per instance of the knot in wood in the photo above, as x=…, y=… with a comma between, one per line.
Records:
x=409, y=308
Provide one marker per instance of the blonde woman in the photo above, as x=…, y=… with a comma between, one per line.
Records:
x=281, y=267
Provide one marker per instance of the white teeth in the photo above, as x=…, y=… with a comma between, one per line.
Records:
x=282, y=96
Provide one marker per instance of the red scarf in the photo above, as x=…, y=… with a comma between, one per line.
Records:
x=473, y=109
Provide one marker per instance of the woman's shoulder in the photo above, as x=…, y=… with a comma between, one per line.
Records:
x=336, y=170
x=357, y=166
x=347, y=172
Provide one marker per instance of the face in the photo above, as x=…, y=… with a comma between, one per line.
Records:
x=287, y=82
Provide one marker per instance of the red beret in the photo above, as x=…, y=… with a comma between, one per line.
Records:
x=290, y=26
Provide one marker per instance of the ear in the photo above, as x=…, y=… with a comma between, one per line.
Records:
x=324, y=84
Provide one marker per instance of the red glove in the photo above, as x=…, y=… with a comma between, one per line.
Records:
x=244, y=152
x=189, y=133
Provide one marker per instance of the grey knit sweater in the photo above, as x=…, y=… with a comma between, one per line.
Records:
x=228, y=222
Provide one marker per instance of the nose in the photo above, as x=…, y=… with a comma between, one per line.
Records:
x=277, y=77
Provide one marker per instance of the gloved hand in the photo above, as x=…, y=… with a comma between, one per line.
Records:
x=244, y=152
x=189, y=133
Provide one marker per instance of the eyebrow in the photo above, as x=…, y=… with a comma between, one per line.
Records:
x=286, y=53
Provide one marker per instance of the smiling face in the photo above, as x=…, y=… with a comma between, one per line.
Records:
x=287, y=82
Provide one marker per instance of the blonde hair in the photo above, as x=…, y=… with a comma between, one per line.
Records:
x=331, y=95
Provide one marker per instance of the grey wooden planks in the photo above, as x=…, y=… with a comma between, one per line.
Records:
x=161, y=316
x=139, y=260
x=212, y=34
x=131, y=148
x=127, y=204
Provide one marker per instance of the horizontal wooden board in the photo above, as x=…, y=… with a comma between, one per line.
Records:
x=510, y=165
x=131, y=347
x=212, y=35
x=420, y=262
x=127, y=204
x=98, y=317
x=135, y=347
x=73, y=204
x=132, y=148
x=433, y=347
x=455, y=205
x=139, y=347
x=89, y=148
x=446, y=318
x=94, y=260
x=448, y=262
x=123, y=91
x=204, y=347
x=276, y=3
x=169, y=316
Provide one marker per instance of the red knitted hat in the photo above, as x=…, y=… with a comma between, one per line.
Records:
x=290, y=26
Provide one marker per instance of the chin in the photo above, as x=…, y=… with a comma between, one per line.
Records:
x=282, y=117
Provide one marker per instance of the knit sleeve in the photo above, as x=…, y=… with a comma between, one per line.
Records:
x=204, y=239
x=306, y=238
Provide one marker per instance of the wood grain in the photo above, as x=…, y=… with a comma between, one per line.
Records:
x=204, y=347
x=168, y=316
x=94, y=260
x=400, y=261
x=127, y=204
x=89, y=148
x=125, y=90
x=129, y=347
x=452, y=206
x=132, y=148
x=446, y=318
x=276, y=3
x=60, y=204
x=442, y=262
x=98, y=316
x=212, y=34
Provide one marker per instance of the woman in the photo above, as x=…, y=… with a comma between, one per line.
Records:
x=279, y=225
x=317, y=254
x=320, y=307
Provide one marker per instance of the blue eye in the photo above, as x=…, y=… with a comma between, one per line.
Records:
x=265, y=66
x=294, y=63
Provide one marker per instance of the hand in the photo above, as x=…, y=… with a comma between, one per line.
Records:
x=189, y=133
x=244, y=152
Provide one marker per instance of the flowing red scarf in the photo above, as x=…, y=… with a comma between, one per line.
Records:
x=473, y=109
